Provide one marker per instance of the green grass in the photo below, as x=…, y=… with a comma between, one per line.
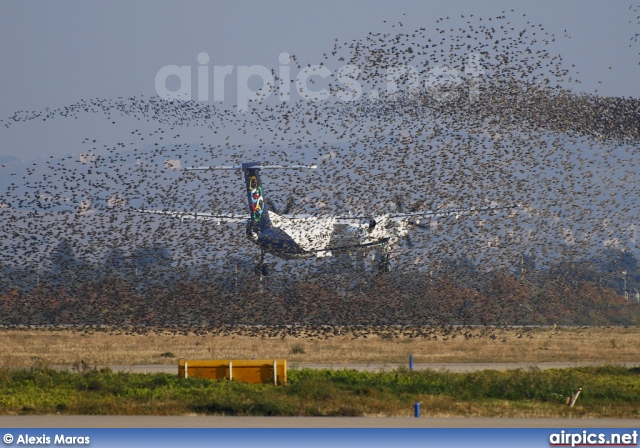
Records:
x=607, y=392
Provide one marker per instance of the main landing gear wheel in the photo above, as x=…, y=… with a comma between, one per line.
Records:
x=384, y=265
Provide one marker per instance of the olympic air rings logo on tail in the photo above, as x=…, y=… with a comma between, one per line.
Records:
x=257, y=202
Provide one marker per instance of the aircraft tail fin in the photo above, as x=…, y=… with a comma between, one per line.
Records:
x=255, y=193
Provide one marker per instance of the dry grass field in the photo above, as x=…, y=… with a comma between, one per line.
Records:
x=91, y=347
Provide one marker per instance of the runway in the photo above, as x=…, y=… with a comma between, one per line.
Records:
x=121, y=421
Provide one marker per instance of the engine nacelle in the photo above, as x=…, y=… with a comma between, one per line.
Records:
x=371, y=224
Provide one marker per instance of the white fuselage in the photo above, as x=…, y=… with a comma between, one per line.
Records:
x=322, y=234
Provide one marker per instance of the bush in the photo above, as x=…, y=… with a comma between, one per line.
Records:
x=298, y=349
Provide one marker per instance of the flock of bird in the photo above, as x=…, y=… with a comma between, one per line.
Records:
x=510, y=128
x=313, y=332
x=636, y=21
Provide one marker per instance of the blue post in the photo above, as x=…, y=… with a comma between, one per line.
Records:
x=410, y=362
x=416, y=409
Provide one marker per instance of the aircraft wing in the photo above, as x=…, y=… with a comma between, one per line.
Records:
x=221, y=218
x=449, y=212
x=415, y=217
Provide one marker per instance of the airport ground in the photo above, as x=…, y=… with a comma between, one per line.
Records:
x=332, y=346
x=454, y=349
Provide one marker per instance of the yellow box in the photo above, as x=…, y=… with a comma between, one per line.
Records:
x=243, y=370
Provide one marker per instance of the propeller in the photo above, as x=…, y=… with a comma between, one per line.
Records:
x=414, y=224
x=287, y=207
x=400, y=209
x=272, y=206
x=408, y=238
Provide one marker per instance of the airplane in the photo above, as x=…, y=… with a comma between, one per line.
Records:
x=304, y=236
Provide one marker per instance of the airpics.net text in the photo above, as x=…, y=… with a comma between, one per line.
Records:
x=437, y=81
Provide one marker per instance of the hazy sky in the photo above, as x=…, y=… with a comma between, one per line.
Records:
x=56, y=53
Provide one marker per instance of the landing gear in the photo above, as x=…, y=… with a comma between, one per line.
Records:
x=261, y=268
x=384, y=265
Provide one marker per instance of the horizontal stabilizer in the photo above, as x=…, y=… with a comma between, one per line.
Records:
x=200, y=216
x=256, y=167
x=211, y=168
x=453, y=212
